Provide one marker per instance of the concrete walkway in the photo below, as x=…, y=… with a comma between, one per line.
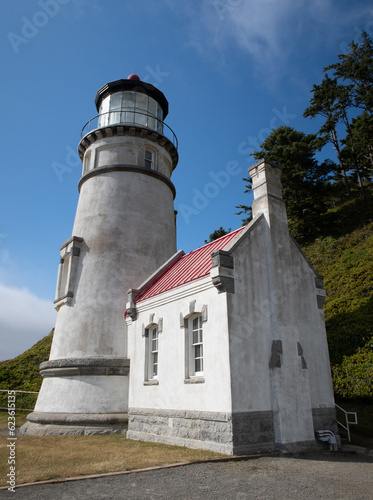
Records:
x=338, y=475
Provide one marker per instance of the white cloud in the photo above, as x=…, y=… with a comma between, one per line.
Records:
x=24, y=319
x=268, y=31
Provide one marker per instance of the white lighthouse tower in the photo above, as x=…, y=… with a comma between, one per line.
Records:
x=124, y=230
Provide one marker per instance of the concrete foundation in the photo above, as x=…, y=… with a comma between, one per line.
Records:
x=234, y=434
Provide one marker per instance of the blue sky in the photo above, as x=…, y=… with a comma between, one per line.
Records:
x=231, y=70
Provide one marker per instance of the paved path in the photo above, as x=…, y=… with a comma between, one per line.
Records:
x=305, y=476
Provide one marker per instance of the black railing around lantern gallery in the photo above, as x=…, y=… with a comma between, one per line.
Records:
x=130, y=117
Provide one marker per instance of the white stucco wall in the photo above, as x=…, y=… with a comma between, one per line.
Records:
x=250, y=325
x=312, y=334
x=126, y=150
x=172, y=393
x=83, y=394
x=127, y=222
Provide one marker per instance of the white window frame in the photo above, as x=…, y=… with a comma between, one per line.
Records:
x=151, y=354
x=194, y=347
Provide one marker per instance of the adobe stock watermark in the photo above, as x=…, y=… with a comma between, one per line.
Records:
x=31, y=27
x=201, y=197
x=252, y=144
x=154, y=76
x=368, y=28
x=72, y=162
x=11, y=445
x=224, y=6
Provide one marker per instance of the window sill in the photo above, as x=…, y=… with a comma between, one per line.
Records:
x=151, y=382
x=194, y=380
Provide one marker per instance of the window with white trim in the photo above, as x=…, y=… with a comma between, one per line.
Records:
x=153, y=350
x=195, y=337
x=151, y=354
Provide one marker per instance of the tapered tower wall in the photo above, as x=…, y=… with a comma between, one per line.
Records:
x=124, y=230
x=126, y=220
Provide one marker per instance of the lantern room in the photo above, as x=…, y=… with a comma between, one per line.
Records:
x=131, y=102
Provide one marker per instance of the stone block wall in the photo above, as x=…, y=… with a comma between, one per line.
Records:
x=240, y=433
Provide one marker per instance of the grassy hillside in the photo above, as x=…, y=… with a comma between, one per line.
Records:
x=22, y=372
x=345, y=258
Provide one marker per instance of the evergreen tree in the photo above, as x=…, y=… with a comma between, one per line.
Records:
x=303, y=179
x=218, y=233
x=359, y=144
x=331, y=100
x=356, y=67
x=351, y=88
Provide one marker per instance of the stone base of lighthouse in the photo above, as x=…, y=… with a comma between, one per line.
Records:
x=81, y=396
x=78, y=424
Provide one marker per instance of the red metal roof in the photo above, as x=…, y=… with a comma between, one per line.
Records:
x=187, y=268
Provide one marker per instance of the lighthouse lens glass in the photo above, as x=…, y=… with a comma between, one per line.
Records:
x=152, y=110
x=128, y=103
x=115, y=104
x=131, y=107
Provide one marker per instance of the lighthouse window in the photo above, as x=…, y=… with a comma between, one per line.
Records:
x=160, y=119
x=149, y=161
x=141, y=107
x=152, y=114
x=131, y=107
x=67, y=271
x=115, y=107
x=103, y=119
x=128, y=103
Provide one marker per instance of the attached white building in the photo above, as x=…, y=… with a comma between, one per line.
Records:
x=223, y=348
x=227, y=343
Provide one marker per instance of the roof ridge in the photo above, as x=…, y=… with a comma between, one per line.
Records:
x=187, y=268
x=217, y=239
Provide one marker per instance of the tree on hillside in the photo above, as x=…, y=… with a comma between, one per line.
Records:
x=359, y=144
x=356, y=68
x=304, y=180
x=349, y=92
x=246, y=210
x=218, y=233
x=330, y=100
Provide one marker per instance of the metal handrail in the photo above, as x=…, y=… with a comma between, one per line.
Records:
x=348, y=423
x=171, y=136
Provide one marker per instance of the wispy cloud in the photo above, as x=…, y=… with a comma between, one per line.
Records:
x=24, y=319
x=268, y=31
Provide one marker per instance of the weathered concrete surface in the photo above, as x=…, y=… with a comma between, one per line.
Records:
x=264, y=344
x=329, y=476
x=125, y=224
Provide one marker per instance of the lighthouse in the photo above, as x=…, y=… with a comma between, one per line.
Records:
x=124, y=230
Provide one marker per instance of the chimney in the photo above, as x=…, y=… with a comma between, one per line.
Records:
x=267, y=190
